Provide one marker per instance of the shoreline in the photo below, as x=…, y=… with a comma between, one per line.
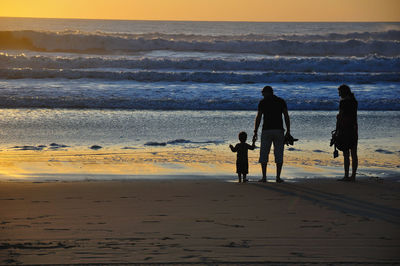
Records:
x=212, y=162
x=66, y=143
x=200, y=222
x=252, y=179
x=232, y=179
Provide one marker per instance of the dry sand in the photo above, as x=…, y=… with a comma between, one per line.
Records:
x=200, y=222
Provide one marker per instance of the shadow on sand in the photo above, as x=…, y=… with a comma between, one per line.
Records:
x=338, y=202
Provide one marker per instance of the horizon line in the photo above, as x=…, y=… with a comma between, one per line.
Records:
x=246, y=21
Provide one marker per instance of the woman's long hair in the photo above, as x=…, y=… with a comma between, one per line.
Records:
x=345, y=91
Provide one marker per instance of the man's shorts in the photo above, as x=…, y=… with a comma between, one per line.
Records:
x=268, y=137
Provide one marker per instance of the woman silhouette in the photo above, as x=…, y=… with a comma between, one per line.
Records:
x=347, y=131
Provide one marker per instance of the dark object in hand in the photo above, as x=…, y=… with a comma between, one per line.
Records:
x=289, y=140
x=334, y=142
x=335, y=153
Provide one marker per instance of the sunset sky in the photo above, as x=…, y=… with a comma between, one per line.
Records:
x=210, y=10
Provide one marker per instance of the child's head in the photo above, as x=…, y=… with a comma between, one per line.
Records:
x=242, y=136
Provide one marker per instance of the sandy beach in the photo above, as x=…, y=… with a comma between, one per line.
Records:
x=115, y=134
x=200, y=222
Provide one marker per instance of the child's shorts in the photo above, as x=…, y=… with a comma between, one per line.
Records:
x=242, y=168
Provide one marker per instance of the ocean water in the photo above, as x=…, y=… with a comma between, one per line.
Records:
x=130, y=84
x=55, y=63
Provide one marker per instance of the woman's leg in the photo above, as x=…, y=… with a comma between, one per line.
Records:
x=354, y=162
x=346, y=156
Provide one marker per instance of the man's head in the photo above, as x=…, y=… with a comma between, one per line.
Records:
x=267, y=91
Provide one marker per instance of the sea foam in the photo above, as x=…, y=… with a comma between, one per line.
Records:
x=214, y=62
x=351, y=44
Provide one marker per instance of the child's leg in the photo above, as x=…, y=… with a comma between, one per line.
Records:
x=240, y=177
x=244, y=178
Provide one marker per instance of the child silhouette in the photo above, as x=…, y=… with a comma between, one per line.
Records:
x=242, y=164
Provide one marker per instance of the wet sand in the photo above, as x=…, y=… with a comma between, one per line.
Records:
x=214, y=162
x=200, y=222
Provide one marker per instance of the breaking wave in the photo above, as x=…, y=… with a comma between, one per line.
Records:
x=169, y=103
x=200, y=76
x=334, y=44
x=278, y=63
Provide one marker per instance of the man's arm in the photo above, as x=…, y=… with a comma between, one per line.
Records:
x=287, y=120
x=257, y=124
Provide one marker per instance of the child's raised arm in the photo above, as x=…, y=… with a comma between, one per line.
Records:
x=233, y=149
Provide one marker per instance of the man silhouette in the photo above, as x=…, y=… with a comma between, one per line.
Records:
x=271, y=109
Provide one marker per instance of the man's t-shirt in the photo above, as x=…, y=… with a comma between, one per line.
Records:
x=272, y=109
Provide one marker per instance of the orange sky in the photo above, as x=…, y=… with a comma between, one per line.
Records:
x=210, y=10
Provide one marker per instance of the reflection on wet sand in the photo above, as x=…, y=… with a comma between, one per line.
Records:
x=212, y=161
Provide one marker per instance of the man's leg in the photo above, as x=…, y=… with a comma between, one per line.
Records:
x=279, y=147
x=266, y=141
x=278, y=171
x=264, y=172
